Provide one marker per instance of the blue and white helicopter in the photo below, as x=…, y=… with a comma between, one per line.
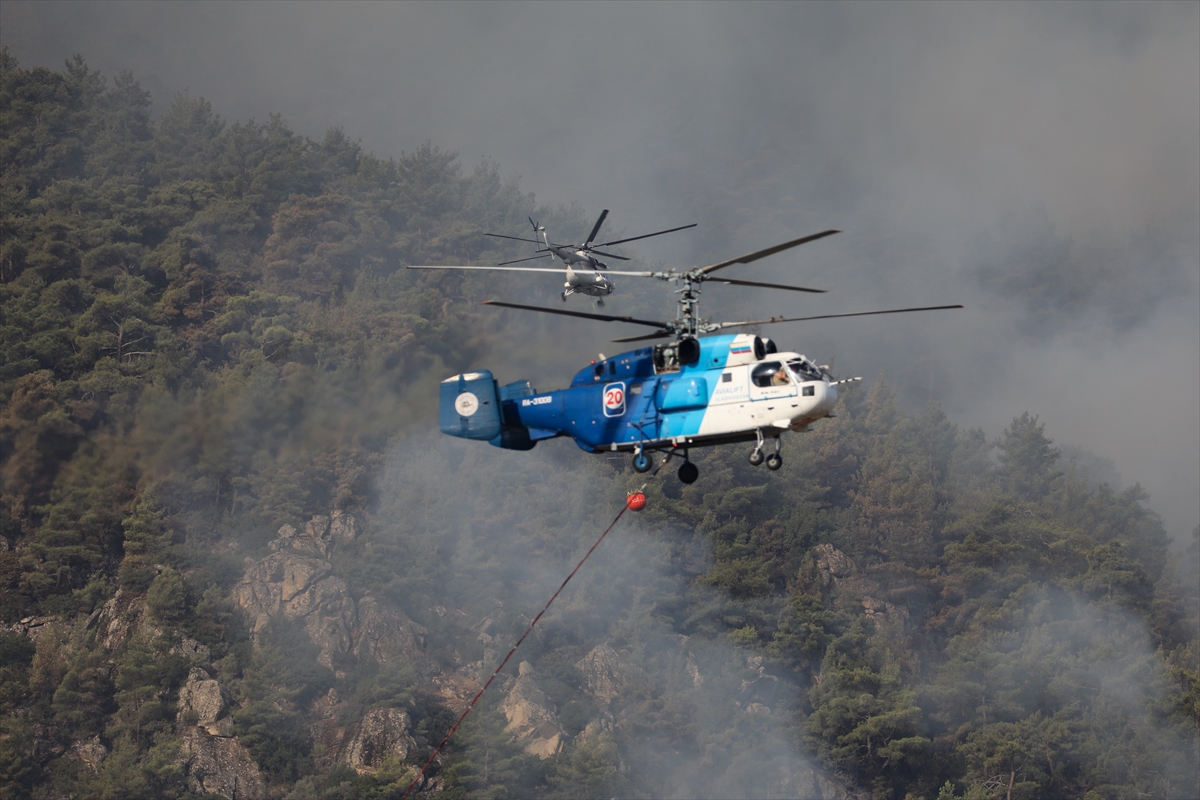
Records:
x=695, y=391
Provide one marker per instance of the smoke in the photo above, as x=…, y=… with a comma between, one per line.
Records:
x=696, y=717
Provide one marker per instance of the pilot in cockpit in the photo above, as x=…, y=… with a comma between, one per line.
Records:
x=780, y=378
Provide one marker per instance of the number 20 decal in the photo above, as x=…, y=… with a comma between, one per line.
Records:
x=614, y=399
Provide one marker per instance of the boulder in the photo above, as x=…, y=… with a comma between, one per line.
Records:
x=879, y=611
x=602, y=672
x=34, y=627
x=384, y=632
x=219, y=765
x=531, y=716
x=207, y=701
x=190, y=648
x=383, y=732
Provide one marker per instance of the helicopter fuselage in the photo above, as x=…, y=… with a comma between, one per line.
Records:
x=731, y=391
x=589, y=282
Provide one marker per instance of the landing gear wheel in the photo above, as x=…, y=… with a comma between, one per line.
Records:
x=774, y=461
x=756, y=457
x=642, y=462
x=688, y=472
x=564, y=296
x=599, y=303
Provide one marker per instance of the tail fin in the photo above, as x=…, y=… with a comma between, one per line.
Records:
x=471, y=407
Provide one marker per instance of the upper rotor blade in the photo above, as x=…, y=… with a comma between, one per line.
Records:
x=565, y=313
x=645, y=336
x=645, y=236
x=608, y=255
x=514, y=238
x=766, y=285
x=770, y=251
x=497, y=267
x=595, y=229
x=519, y=260
x=832, y=316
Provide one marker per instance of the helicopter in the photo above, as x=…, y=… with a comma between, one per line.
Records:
x=697, y=390
x=584, y=272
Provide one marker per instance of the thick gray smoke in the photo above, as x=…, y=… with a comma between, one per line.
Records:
x=491, y=534
x=1039, y=163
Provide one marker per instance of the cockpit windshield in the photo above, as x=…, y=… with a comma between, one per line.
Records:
x=805, y=370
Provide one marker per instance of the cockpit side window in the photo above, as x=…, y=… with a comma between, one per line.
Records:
x=770, y=373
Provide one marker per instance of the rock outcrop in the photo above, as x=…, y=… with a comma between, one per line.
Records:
x=531, y=716
x=383, y=732
x=384, y=632
x=321, y=535
x=219, y=765
x=89, y=752
x=835, y=568
x=294, y=582
x=602, y=673
x=205, y=703
x=299, y=587
x=759, y=688
x=121, y=618
x=297, y=581
x=879, y=611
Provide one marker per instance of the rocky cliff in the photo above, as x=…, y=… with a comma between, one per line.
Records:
x=296, y=581
x=531, y=716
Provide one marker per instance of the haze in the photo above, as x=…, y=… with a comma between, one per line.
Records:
x=1038, y=163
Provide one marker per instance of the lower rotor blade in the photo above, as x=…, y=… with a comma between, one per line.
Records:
x=770, y=251
x=514, y=238
x=732, y=282
x=645, y=337
x=834, y=316
x=519, y=260
x=561, y=312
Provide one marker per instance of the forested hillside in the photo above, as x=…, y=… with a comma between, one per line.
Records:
x=235, y=562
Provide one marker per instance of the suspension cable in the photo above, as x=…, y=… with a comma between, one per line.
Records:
x=545, y=608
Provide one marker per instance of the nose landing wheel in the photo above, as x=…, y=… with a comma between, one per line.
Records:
x=641, y=462
x=688, y=473
x=774, y=461
x=756, y=457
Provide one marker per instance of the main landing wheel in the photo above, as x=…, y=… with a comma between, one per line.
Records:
x=756, y=457
x=774, y=461
x=688, y=472
x=642, y=462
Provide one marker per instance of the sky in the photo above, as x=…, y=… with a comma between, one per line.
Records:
x=1039, y=163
